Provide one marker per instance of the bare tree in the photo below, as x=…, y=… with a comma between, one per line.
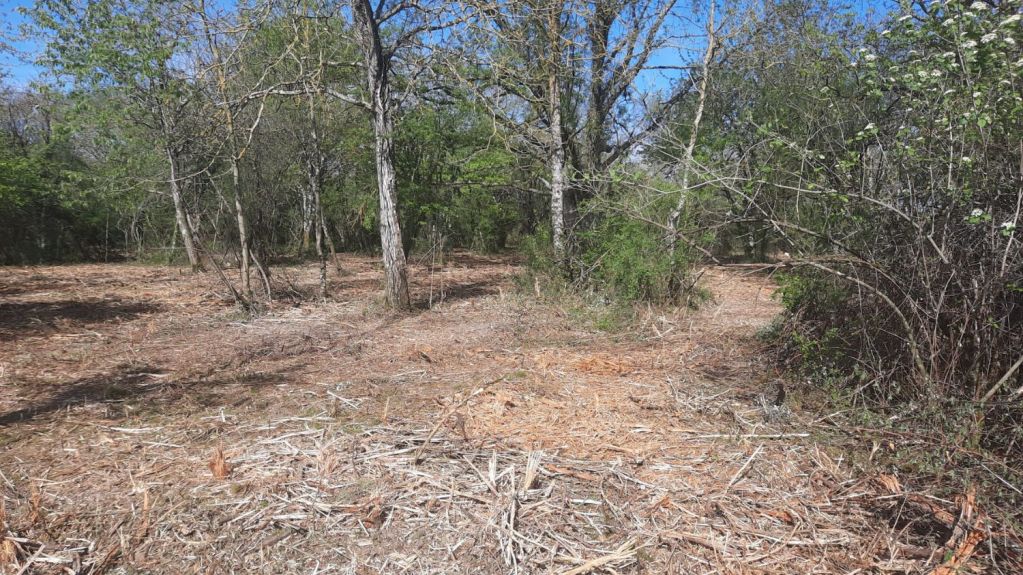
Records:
x=694, y=129
x=226, y=42
x=620, y=39
x=408, y=22
x=561, y=77
x=378, y=60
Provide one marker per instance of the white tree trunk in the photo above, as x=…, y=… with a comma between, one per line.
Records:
x=557, y=167
x=687, y=158
x=556, y=164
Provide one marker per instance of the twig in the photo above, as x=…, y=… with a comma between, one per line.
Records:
x=24, y=568
x=742, y=469
x=418, y=457
x=749, y=435
x=703, y=541
x=627, y=550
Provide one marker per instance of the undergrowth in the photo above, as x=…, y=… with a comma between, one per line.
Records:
x=944, y=442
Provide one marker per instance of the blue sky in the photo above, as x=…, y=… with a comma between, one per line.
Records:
x=20, y=72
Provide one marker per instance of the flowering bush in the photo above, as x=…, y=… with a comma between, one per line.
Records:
x=926, y=236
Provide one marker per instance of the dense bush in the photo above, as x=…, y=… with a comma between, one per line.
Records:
x=916, y=264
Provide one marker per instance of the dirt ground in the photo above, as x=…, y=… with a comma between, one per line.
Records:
x=146, y=426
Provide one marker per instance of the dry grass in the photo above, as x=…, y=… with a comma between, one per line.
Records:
x=146, y=427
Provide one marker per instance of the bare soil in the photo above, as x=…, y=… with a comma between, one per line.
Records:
x=146, y=426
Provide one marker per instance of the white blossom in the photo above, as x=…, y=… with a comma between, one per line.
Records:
x=970, y=44
x=989, y=37
x=1011, y=20
x=1009, y=41
x=976, y=94
x=904, y=18
x=869, y=126
x=978, y=6
x=1008, y=226
x=976, y=213
x=936, y=73
x=870, y=57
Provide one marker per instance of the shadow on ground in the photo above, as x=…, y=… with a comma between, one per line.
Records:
x=457, y=291
x=24, y=319
x=134, y=384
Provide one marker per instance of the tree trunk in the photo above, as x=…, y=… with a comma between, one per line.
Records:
x=307, y=221
x=395, y=268
x=396, y=288
x=235, y=153
x=316, y=207
x=687, y=159
x=556, y=162
x=243, y=228
x=179, y=214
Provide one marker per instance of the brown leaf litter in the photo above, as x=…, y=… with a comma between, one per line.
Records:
x=146, y=426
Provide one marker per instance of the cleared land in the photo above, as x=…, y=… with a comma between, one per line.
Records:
x=487, y=433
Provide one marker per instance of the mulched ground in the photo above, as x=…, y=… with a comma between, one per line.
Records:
x=146, y=426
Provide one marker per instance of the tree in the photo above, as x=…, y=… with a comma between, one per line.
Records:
x=520, y=73
x=128, y=47
x=378, y=61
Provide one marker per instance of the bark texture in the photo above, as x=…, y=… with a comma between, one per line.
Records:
x=396, y=290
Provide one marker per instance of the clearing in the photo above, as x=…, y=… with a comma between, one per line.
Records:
x=147, y=427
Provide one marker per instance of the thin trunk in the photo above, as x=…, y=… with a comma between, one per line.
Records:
x=330, y=245
x=179, y=213
x=239, y=299
x=316, y=206
x=265, y=276
x=323, y=262
x=235, y=155
x=314, y=172
x=395, y=268
x=243, y=228
x=307, y=220
x=557, y=167
x=687, y=159
x=598, y=36
x=557, y=147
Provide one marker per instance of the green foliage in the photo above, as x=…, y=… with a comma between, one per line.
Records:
x=813, y=293
x=50, y=209
x=629, y=263
x=453, y=184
